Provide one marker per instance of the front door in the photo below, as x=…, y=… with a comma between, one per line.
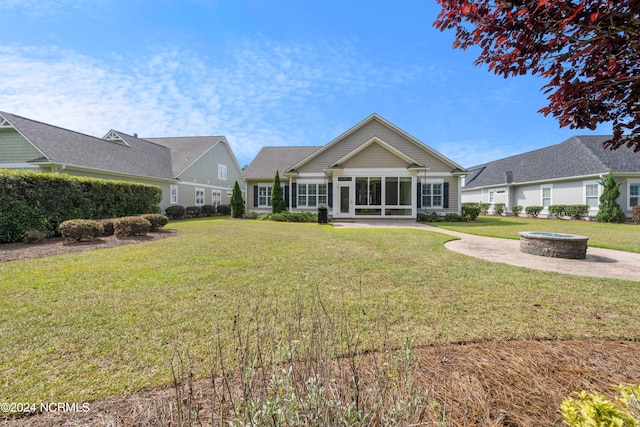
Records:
x=345, y=199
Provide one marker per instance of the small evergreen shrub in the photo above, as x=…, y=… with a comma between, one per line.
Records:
x=498, y=208
x=429, y=217
x=34, y=236
x=224, y=210
x=576, y=211
x=131, y=226
x=454, y=217
x=277, y=196
x=251, y=215
x=175, y=212
x=193, y=211
x=609, y=210
x=635, y=214
x=484, y=208
x=515, y=210
x=470, y=212
x=291, y=217
x=157, y=221
x=208, y=210
x=107, y=224
x=534, y=211
x=557, y=211
x=81, y=229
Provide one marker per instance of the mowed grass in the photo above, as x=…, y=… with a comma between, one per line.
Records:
x=86, y=325
x=624, y=237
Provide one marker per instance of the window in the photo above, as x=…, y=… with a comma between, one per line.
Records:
x=264, y=196
x=492, y=196
x=634, y=194
x=545, y=194
x=369, y=191
x=173, y=194
x=216, y=198
x=432, y=194
x=311, y=194
x=222, y=172
x=591, y=195
x=199, y=196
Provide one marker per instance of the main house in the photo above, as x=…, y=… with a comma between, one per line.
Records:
x=563, y=174
x=373, y=170
x=192, y=171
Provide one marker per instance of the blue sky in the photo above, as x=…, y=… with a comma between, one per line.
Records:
x=277, y=72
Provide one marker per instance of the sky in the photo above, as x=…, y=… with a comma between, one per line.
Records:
x=263, y=73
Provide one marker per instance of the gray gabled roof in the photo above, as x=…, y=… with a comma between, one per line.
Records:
x=67, y=147
x=272, y=159
x=186, y=149
x=575, y=157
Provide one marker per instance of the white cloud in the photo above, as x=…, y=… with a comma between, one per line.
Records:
x=260, y=93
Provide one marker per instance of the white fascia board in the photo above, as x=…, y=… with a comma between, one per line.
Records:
x=65, y=166
x=200, y=184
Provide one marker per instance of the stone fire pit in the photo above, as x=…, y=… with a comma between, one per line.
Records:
x=555, y=245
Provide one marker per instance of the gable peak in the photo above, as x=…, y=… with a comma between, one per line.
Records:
x=113, y=136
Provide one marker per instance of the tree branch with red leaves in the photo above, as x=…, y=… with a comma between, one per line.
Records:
x=588, y=50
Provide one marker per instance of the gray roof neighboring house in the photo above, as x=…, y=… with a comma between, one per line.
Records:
x=66, y=147
x=272, y=159
x=577, y=156
x=187, y=149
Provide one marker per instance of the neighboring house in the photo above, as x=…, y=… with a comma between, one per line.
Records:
x=564, y=174
x=373, y=170
x=190, y=170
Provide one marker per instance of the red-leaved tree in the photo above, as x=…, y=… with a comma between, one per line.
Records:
x=588, y=50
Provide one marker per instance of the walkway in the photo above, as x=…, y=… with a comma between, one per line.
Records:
x=605, y=263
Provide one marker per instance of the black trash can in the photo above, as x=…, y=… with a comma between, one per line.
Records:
x=323, y=215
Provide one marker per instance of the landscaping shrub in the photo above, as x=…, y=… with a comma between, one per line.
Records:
x=469, y=211
x=635, y=214
x=595, y=410
x=237, y=204
x=224, y=210
x=208, y=210
x=251, y=215
x=609, y=210
x=34, y=236
x=81, y=229
x=576, y=211
x=557, y=211
x=515, y=210
x=429, y=217
x=454, y=217
x=484, y=208
x=157, y=221
x=175, y=212
x=131, y=226
x=291, y=217
x=42, y=201
x=534, y=211
x=107, y=224
x=277, y=196
x=193, y=211
x=498, y=208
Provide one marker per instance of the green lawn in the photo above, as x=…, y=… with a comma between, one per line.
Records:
x=85, y=325
x=625, y=237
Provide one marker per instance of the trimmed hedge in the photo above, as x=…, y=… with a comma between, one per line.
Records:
x=175, y=212
x=131, y=226
x=534, y=211
x=635, y=214
x=157, y=221
x=193, y=211
x=515, y=210
x=208, y=210
x=470, y=212
x=498, y=208
x=557, y=211
x=81, y=229
x=42, y=201
x=108, y=226
x=224, y=210
x=576, y=211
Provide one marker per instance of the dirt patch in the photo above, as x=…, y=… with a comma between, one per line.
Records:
x=58, y=245
x=513, y=383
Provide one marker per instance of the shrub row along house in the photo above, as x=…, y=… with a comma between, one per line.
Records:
x=563, y=174
x=373, y=170
x=192, y=171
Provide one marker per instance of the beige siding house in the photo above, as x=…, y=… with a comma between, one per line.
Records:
x=373, y=170
x=190, y=170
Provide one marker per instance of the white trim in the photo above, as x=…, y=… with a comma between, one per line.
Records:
x=18, y=166
x=551, y=181
x=177, y=197
x=195, y=197
x=542, y=187
x=113, y=136
x=597, y=196
x=199, y=184
x=222, y=172
x=68, y=166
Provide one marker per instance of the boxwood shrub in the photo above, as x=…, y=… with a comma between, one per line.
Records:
x=534, y=211
x=576, y=211
x=81, y=229
x=193, y=211
x=131, y=226
x=557, y=211
x=224, y=210
x=635, y=214
x=498, y=208
x=175, y=212
x=470, y=211
x=157, y=221
x=208, y=210
x=107, y=224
